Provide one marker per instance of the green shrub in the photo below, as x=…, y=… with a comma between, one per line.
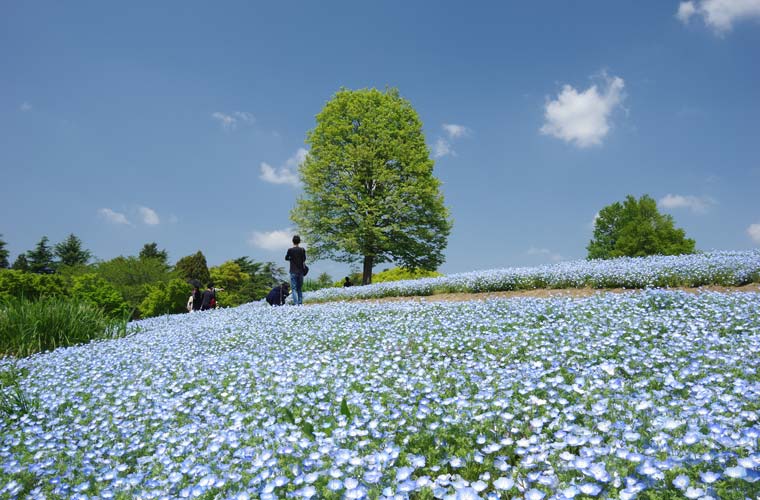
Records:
x=18, y=284
x=400, y=273
x=95, y=290
x=165, y=298
x=27, y=327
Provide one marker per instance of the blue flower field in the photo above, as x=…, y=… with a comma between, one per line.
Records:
x=648, y=394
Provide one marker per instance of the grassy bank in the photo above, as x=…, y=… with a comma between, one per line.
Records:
x=28, y=327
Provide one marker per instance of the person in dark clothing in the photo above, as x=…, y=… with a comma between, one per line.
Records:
x=347, y=282
x=278, y=294
x=297, y=257
x=197, y=299
x=208, y=300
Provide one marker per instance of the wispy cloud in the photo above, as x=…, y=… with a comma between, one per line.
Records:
x=278, y=239
x=697, y=204
x=719, y=15
x=455, y=131
x=25, y=106
x=582, y=118
x=754, y=232
x=149, y=216
x=442, y=146
x=230, y=121
x=287, y=173
x=113, y=217
x=545, y=253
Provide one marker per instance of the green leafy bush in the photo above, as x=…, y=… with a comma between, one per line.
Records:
x=95, y=290
x=27, y=327
x=130, y=275
x=400, y=273
x=165, y=298
x=17, y=284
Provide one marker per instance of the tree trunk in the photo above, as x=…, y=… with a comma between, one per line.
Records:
x=367, y=272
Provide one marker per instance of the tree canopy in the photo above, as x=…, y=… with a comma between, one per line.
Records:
x=193, y=267
x=369, y=191
x=4, y=264
x=41, y=258
x=71, y=253
x=151, y=251
x=635, y=228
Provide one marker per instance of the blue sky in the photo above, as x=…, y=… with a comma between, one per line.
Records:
x=183, y=122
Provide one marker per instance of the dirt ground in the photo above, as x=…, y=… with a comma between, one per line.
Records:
x=546, y=293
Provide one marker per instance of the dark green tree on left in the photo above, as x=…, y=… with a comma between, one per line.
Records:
x=71, y=253
x=41, y=258
x=4, y=264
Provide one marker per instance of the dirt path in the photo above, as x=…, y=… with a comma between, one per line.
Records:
x=546, y=293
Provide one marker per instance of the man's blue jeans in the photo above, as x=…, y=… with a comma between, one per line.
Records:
x=296, y=285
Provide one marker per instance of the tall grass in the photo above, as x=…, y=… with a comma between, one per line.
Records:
x=27, y=327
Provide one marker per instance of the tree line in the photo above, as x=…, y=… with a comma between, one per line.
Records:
x=145, y=284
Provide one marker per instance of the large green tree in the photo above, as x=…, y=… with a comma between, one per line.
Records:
x=4, y=264
x=71, y=253
x=635, y=228
x=369, y=194
x=41, y=258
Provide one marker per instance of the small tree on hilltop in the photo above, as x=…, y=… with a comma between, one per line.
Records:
x=41, y=258
x=635, y=228
x=193, y=267
x=71, y=253
x=369, y=191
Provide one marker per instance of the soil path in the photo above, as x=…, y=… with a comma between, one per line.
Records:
x=547, y=293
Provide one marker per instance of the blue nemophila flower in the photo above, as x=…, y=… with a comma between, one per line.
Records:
x=709, y=477
x=534, y=494
x=681, y=482
x=249, y=400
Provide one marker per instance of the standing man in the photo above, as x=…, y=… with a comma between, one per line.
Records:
x=297, y=257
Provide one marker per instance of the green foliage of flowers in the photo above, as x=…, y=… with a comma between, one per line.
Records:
x=28, y=327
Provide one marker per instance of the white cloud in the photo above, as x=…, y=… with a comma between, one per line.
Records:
x=113, y=217
x=25, y=106
x=455, y=131
x=696, y=204
x=278, y=239
x=149, y=216
x=754, y=232
x=685, y=11
x=546, y=253
x=286, y=174
x=719, y=15
x=230, y=121
x=442, y=148
x=582, y=117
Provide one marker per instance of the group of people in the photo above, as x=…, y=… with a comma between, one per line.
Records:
x=202, y=301
x=296, y=255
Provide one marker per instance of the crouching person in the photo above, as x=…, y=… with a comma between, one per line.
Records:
x=278, y=294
